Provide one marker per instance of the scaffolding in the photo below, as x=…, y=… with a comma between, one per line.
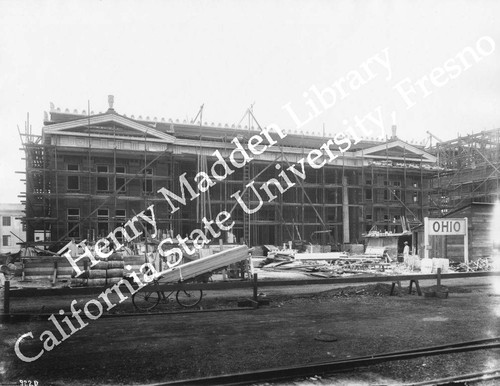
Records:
x=110, y=183
x=469, y=171
x=102, y=189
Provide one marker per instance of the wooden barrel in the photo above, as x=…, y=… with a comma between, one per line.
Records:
x=78, y=282
x=116, y=272
x=116, y=264
x=115, y=257
x=96, y=282
x=102, y=264
x=97, y=274
x=113, y=280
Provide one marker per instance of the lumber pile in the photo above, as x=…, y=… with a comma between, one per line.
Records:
x=107, y=271
x=206, y=264
x=115, y=270
x=325, y=264
x=375, y=252
x=327, y=256
x=314, y=268
x=46, y=268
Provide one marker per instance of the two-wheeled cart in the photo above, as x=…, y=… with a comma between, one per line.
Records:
x=199, y=270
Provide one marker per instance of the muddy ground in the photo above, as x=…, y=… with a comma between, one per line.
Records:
x=141, y=349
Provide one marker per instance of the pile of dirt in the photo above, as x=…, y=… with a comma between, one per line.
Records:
x=378, y=289
x=366, y=291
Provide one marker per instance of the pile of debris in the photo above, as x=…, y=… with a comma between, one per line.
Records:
x=481, y=264
x=313, y=268
x=379, y=289
x=324, y=268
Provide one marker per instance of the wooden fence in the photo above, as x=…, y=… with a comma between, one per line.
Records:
x=253, y=284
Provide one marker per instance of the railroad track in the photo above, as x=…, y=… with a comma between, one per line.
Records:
x=330, y=367
x=464, y=379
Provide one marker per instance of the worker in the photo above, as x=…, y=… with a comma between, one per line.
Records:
x=3, y=268
x=406, y=253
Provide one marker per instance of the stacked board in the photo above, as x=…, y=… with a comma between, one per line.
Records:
x=206, y=264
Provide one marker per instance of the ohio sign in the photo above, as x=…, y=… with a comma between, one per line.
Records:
x=447, y=226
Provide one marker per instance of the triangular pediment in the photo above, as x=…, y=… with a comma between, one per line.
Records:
x=108, y=125
x=397, y=150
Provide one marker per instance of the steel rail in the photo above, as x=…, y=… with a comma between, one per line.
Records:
x=426, y=349
x=470, y=377
x=294, y=372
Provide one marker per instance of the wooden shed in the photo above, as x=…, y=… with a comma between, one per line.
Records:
x=480, y=225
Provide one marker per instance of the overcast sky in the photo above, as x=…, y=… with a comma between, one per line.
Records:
x=427, y=65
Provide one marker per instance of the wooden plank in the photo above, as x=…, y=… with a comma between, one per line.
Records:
x=38, y=277
x=207, y=264
x=6, y=297
x=47, y=265
x=27, y=292
x=39, y=271
x=321, y=256
x=46, y=259
x=55, y=273
x=375, y=250
x=336, y=280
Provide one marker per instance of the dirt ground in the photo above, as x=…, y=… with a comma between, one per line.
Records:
x=142, y=349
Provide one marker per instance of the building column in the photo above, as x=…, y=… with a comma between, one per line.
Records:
x=345, y=211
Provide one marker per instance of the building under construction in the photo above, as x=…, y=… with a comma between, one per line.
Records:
x=469, y=172
x=87, y=174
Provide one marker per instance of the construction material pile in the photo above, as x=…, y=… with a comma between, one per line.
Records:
x=107, y=271
x=314, y=268
x=481, y=264
x=323, y=265
x=204, y=265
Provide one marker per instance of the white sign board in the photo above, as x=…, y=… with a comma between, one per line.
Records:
x=447, y=226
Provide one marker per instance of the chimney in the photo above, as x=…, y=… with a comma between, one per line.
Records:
x=394, y=129
x=111, y=101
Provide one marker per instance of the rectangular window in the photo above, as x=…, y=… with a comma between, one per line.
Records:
x=120, y=215
x=368, y=182
x=102, y=182
x=368, y=194
x=120, y=187
x=74, y=213
x=73, y=180
x=369, y=217
x=148, y=181
x=74, y=222
x=120, y=219
x=102, y=213
x=397, y=183
x=6, y=241
x=102, y=222
x=6, y=221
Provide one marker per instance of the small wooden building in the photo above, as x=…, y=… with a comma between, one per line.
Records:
x=480, y=230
